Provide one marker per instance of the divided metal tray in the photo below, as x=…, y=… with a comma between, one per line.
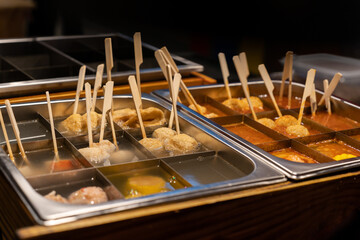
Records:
x=54, y=62
x=219, y=166
x=213, y=95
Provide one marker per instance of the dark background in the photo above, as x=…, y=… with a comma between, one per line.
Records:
x=200, y=30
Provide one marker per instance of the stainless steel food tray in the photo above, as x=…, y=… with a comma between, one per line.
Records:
x=219, y=166
x=293, y=170
x=34, y=65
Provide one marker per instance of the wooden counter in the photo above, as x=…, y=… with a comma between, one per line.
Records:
x=311, y=209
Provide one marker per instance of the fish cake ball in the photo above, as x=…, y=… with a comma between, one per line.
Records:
x=297, y=130
x=95, y=120
x=88, y=195
x=234, y=104
x=286, y=120
x=95, y=155
x=122, y=156
x=255, y=102
x=154, y=145
x=267, y=122
x=163, y=133
x=181, y=144
x=106, y=145
x=56, y=197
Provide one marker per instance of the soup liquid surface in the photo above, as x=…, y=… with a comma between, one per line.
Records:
x=334, y=121
x=248, y=133
x=334, y=147
x=293, y=155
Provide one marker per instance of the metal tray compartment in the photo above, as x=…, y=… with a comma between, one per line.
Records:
x=236, y=168
x=292, y=170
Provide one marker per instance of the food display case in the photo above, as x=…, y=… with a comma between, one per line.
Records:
x=54, y=62
x=216, y=167
x=266, y=142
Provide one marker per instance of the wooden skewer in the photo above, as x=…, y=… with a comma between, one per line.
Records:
x=79, y=87
x=327, y=99
x=16, y=130
x=244, y=66
x=110, y=87
x=225, y=73
x=108, y=58
x=11, y=156
x=138, y=58
x=170, y=60
x=286, y=73
x=88, y=112
x=97, y=84
x=290, y=80
x=52, y=126
x=269, y=86
x=243, y=80
x=107, y=104
x=137, y=102
x=313, y=103
x=331, y=88
x=174, y=85
x=309, y=85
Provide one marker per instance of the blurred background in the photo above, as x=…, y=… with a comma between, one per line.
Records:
x=199, y=30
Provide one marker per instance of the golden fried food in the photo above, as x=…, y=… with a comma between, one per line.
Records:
x=297, y=130
x=145, y=185
x=267, y=122
x=154, y=145
x=181, y=144
x=151, y=116
x=74, y=123
x=95, y=120
x=286, y=120
x=56, y=197
x=203, y=111
x=88, y=195
x=234, y=103
x=255, y=102
x=123, y=115
x=163, y=133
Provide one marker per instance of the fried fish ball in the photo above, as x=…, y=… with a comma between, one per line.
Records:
x=95, y=120
x=181, y=144
x=56, y=197
x=95, y=155
x=145, y=185
x=297, y=130
x=255, y=102
x=234, y=104
x=163, y=133
x=74, y=123
x=106, y=145
x=154, y=145
x=88, y=195
x=151, y=116
x=286, y=120
x=267, y=122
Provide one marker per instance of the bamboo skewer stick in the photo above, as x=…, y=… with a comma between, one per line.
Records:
x=225, y=73
x=107, y=105
x=137, y=102
x=79, y=87
x=16, y=130
x=331, y=88
x=138, y=58
x=269, y=86
x=108, y=58
x=309, y=85
x=290, y=80
x=313, y=103
x=11, y=156
x=52, y=125
x=327, y=99
x=286, y=73
x=243, y=79
x=97, y=84
x=88, y=112
x=174, y=85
